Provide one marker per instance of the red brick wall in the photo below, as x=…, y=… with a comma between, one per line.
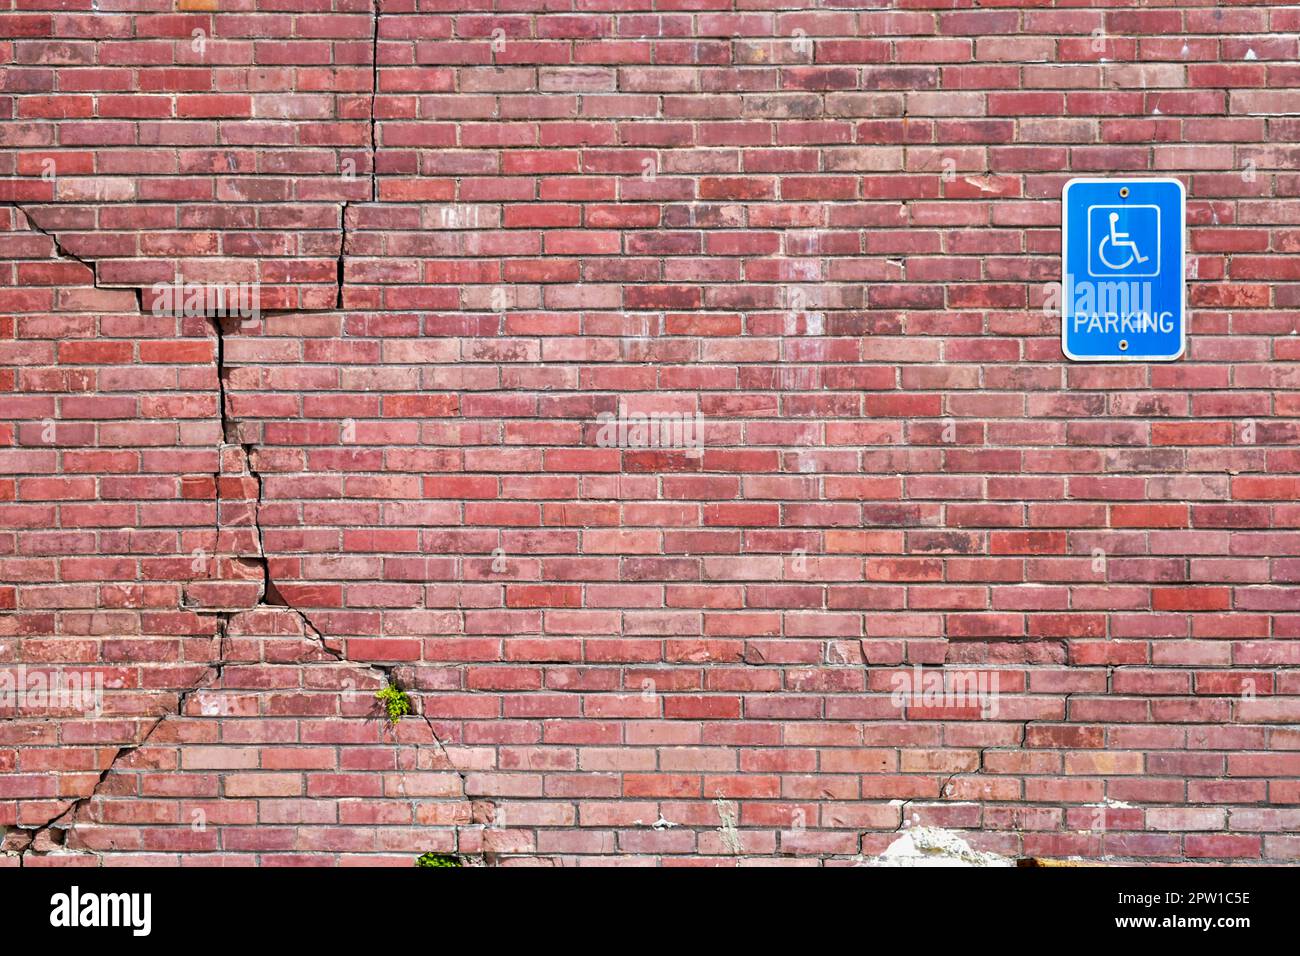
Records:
x=830, y=232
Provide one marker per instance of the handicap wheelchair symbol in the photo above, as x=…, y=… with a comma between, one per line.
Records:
x=1117, y=239
x=1117, y=236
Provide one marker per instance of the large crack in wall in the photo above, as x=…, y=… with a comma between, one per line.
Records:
x=52, y=835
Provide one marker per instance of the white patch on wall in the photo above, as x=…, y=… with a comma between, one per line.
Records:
x=933, y=846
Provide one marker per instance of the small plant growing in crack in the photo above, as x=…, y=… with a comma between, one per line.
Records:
x=437, y=859
x=396, y=702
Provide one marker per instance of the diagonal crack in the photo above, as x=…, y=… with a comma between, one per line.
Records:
x=58, y=246
x=210, y=677
x=62, y=252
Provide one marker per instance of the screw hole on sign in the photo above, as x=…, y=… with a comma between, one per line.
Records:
x=1123, y=345
x=1123, y=193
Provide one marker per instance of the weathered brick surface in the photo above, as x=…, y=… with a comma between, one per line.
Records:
x=830, y=231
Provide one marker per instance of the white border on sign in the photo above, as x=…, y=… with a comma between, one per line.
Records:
x=1182, y=269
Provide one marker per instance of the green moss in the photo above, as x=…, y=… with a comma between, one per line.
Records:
x=395, y=701
x=437, y=859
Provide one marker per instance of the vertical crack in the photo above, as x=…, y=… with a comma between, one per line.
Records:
x=374, y=93
x=271, y=595
x=343, y=252
x=220, y=358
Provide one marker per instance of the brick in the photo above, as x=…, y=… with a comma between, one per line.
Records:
x=827, y=231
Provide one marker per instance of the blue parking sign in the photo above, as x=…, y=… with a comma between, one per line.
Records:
x=1123, y=294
